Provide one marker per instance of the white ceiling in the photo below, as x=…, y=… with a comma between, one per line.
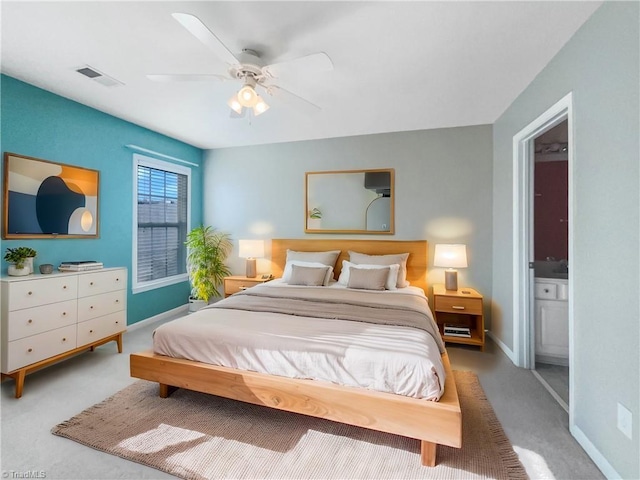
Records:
x=397, y=65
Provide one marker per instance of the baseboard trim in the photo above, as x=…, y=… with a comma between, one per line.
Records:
x=174, y=312
x=507, y=351
x=595, y=455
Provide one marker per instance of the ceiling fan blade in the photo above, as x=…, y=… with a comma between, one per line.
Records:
x=292, y=99
x=187, y=78
x=308, y=65
x=199, y=30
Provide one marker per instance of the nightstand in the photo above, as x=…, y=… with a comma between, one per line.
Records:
x=459, y=308
x=236, y=283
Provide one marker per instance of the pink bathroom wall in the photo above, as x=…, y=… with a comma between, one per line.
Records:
x=551, y=210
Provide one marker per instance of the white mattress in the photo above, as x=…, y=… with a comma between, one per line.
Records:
x=393, y=359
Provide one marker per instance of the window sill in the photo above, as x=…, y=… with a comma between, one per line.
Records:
x=165, y=282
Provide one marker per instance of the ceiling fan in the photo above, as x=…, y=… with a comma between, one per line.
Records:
x=248, y=68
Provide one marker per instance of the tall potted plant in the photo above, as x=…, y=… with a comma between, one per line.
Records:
x=207, y=250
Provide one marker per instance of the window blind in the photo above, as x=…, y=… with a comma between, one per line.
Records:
x=162, y=223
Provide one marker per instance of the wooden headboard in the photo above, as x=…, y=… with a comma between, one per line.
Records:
x=416, y=263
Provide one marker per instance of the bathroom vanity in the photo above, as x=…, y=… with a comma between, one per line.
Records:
x=552, y=321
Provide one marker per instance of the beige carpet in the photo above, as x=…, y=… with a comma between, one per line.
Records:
x=197, y=436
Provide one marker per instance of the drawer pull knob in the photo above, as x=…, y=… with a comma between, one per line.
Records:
x=117, y=279
x=64, y=287
x=64, y=339
x=546, y=290
x=30, y=321
x=90, y=331
x=457, y=307
x=64, y=314
x=91, y=283
x=30, y=350
x=117, y=322
x=30, y=293
x=91, y=307
x=117, y=301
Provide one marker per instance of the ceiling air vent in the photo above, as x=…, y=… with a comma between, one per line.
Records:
x=98, y=76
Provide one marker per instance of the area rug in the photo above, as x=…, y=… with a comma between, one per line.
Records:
x=198, y=436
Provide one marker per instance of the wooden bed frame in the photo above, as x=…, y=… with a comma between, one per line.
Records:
x=432, y=423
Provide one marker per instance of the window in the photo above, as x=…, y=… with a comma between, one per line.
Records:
x=161, y=222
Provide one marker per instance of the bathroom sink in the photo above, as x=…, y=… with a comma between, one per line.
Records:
x=561, y=275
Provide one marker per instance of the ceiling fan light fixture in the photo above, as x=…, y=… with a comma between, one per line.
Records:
x=260, y=107
x=235, y=105
x=247, y=96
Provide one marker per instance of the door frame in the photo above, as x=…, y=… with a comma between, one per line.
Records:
x=523, y=200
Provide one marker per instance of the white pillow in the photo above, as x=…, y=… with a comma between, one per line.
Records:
x=392, y=279
x=286, y=275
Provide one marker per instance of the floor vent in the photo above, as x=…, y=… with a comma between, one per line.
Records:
x=98, y=76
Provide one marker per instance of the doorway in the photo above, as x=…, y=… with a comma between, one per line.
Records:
x=525, y=304
x=551, y=260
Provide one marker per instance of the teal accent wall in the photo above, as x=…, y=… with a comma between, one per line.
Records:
x=40, y=124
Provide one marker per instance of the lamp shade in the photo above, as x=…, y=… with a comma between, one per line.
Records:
x=251, y=248
x=450, y=256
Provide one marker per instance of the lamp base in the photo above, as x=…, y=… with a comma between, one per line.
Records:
x=451, y=280
x=251, y=268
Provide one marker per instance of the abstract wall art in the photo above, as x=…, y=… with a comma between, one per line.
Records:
x=44, y=199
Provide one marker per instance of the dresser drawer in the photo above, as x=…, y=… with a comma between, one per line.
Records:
x=232, y=286
x=96, y=283
x=31, y=321
x=546, y=291
x=26, y=351
x=472, y=306
x=98, y=328
x=33, y=293
x=99, y=305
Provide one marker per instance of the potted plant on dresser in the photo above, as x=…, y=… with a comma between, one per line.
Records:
x=20, y=260
x=208, y=249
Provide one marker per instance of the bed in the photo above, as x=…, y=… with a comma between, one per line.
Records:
x=430, y=422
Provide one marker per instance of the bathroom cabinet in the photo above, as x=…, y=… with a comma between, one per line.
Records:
x=552, y=321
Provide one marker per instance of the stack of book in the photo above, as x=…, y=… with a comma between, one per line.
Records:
x=457, y=330
x=80, y=266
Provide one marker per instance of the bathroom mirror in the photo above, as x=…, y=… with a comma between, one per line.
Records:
x=350, y=201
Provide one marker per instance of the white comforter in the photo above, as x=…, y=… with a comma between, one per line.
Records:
x=393, y=359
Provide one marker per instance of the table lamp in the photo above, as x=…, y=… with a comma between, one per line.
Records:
x=251, y=249
x=451, y=257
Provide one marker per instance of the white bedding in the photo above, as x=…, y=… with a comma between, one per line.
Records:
x=386, y=358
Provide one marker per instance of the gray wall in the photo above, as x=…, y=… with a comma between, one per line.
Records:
x=442, y=183
x=600, y=66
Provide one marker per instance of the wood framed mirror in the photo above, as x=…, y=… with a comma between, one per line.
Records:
x=350, y=201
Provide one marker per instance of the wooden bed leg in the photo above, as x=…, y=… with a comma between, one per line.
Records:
x=166, y=390
x=428, y=453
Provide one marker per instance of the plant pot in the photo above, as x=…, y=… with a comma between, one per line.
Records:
x=18, y=272
x=195, y=305
x=28, y=263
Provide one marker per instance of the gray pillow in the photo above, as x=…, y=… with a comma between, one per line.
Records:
x=368, y=278
x=399, y=258
x=310, y=276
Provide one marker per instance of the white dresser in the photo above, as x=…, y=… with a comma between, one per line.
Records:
x=46, y=318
